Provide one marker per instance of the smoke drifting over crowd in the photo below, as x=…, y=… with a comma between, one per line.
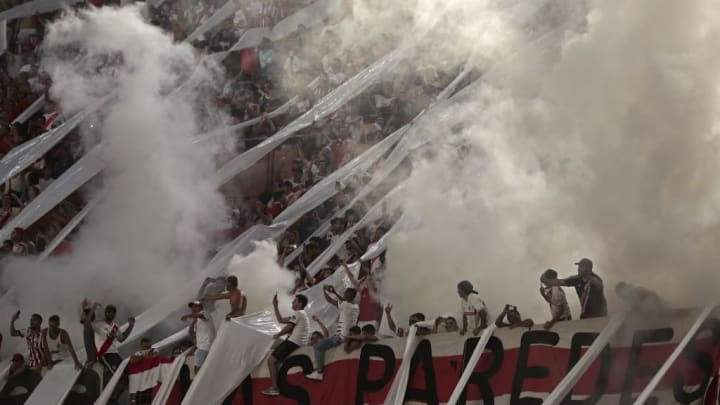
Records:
x=152, y=228
x=607, y=150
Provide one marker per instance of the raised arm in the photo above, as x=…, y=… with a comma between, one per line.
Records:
x=278, y=316
x=499, y=320
x=13, y=331
x=216, y=297
x=391, y=322
x=323, y=328
x=329, y=291
x=352, y=278
x=65, y=338
x=128, y=330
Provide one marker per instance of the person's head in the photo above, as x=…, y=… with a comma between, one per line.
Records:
x=451, y=324
x=17, y=360
x=549, y=274
x=35, y=321
x=416, y=317
x=145, y=343
x=465, y=288
x=231, y=283
x=338, y=225
x=350, y=294
x=368, y=330
x=54, y=322
x=195, y=307
x=299, y=302
x=355, y=331
x=585, y=267
x=110, y=312
x=16, y=235
x=513, y=315
x=315, y=337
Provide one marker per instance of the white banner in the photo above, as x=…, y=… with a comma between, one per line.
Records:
x=33, y=7
x=517, y=365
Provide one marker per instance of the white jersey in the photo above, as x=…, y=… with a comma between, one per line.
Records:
x=559, y=308
x=347, y=317
x=204, y=332
x=471, y=306
x=102, y=333
x=301, y=332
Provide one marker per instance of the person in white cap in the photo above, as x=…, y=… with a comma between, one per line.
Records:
x=203, y=329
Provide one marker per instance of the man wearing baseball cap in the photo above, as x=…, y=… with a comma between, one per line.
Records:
x=202, y=329
x=588, y=286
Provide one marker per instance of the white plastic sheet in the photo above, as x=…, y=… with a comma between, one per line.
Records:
x=78, y=174
x=70, y=226
x=31, y=109
x=225, y=369
x=35, y=6
x=168, y=380
x=22, y=156
x=326, y=106
x=226, y=11
x=3, y=36
x=55, y=385
x=396, y=395
x=309, y=16
x=112, y=383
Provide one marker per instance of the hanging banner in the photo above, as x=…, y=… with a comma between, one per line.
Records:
x=35, y=7
x=518, y=366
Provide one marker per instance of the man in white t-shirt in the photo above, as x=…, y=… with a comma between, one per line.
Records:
x=107, y=336
x=555, y=296
x=203, y=330
x=347, y=318
x=475, y=313
x=297, y=327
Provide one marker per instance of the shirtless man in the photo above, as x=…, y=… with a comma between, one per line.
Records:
x=238, y=302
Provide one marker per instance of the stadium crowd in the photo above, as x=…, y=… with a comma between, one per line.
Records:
x=260, y=80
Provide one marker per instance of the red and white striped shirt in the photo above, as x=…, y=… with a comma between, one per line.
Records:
x=33, y=338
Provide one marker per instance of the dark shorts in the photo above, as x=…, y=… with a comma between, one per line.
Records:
x=283, y=350
x=113, y=360
x=144, y=397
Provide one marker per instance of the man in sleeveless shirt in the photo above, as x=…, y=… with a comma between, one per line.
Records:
x=57, y=345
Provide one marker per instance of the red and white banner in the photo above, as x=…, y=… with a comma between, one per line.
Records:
x=518, y=366
x=148, y=373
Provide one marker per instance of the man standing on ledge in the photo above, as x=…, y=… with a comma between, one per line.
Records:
x=589, y=288
x=238, y=303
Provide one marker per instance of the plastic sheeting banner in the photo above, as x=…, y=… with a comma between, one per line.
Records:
x=518, y=364
x=220, y=15
x=78, y=174
x=35, y=6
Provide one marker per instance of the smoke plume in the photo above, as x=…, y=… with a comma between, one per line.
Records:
x=598, y=143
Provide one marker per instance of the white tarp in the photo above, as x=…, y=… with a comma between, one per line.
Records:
x=112, y=383
x=33, y=7
x=78, y=174
x=326, y=106
x=224, y=12
x=70, y=226
x=3, y=36
x=168, y=380
x=24, y=155
x=309, y=16
x=55, y=385
x=225, y=369
x=30, y=110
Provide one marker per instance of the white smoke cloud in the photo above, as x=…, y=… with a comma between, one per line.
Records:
x=153, y=228
x=600, y=143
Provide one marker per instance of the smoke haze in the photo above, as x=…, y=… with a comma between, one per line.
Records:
x=607, y=150
x=153, y=227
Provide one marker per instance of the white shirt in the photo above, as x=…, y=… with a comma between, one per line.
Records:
x=470, y=307
x=559, y=307
x=102, y=331
x=204, y=332
x=300, y=333
x=347, y=318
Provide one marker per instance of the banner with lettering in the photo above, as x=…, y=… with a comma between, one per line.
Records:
x=518, y=366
